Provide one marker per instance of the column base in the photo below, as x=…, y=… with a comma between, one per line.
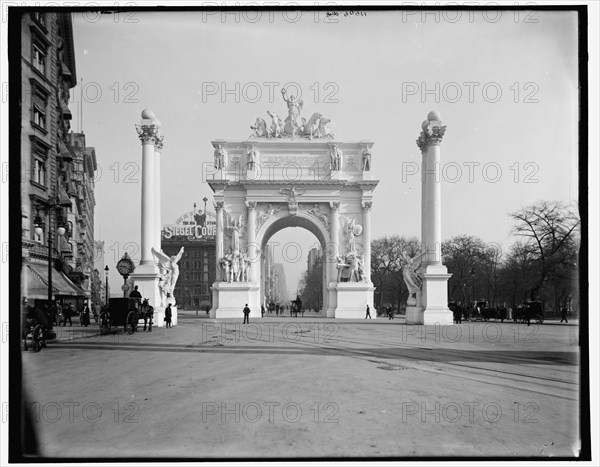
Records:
x=434, y=315
x=229, y=299
x=147, y=283
x=435, y=295
x=159, y=317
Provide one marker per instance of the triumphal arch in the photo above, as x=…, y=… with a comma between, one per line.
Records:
x=292, y=172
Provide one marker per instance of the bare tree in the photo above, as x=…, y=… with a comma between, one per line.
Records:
x=552, y=229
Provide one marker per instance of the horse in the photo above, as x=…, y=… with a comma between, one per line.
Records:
x=147, y=313
x=260, y=128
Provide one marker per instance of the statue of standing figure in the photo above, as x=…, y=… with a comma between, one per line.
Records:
x=220, y=155
x=292, y=122
x=252, y=157
x=336, y=158
x=366, y=166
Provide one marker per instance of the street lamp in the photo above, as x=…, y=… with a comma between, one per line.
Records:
x=39, y=230
x=106, y=286
x=472, y=272
x=205, y=199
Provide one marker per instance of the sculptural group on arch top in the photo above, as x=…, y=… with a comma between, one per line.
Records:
x=294, y=125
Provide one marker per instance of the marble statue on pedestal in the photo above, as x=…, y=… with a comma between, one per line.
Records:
x=412, y=279
x=220, y=155
x=252, y=157
x=168, y=278
x=336, y=158
x=366, y=162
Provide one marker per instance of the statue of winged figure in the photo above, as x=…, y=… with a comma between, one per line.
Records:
x=409, y=272
x=169, y=274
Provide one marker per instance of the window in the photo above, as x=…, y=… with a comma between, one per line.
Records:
x=39, y=106
x=39, y=172
x=39, y=156
x=38, y=57
x=39, y=18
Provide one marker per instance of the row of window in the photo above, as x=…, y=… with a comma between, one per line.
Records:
x=195, y=276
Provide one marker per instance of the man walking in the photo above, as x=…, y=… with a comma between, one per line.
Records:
x=390, y=313
x=246, y=314
x=168, y=315
x=368, y=313
x=563, y=314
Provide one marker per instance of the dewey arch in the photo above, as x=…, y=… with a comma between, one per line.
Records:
x=293, y=173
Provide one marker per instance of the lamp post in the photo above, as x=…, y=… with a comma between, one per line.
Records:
x=205, y=199
x=39, y=230
x=106, y=286
x=472, y=272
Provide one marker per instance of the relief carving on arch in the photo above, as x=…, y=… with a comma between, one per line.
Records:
x=318, y=210
x=264, y=212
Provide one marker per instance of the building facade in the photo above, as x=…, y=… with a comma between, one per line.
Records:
x=56, y=178
x=195, y=231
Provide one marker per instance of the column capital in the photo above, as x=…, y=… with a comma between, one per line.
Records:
x=158, y=142
x=251, y=205
x=147, y=133
x=219, y=206
x=334, y=205
x=431, y=134
x=367, y=205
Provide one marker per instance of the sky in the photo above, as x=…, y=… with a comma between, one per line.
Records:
x=505, y=83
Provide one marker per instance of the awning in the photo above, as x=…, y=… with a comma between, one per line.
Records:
x=37, y=283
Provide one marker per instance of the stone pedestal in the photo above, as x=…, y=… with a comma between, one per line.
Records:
x=435, y=296
x=352, y=299
x=414, y=314
x=159, y=317
x=146, y=278
x=229, y=299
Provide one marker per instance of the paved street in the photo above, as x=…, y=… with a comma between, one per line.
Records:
x=308, y=387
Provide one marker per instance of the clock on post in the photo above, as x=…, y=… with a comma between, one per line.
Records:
x=125, y=267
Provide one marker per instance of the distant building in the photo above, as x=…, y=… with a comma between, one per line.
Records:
x=195, y=231
x=274, y=284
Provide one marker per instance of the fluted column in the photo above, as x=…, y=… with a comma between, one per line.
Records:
x=334, y=234
x=366, y=206
x=158, y=145
x=147, y=132
x=251, y=237
x=219, y=238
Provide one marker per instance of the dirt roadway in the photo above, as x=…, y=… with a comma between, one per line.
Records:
x=305, y=387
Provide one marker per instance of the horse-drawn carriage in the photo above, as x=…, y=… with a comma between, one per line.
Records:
x=37, y=329
x=529, y=310
x=126, y=312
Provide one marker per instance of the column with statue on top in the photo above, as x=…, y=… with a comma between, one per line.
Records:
x=424, y=274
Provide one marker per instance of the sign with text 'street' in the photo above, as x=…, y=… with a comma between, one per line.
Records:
x=193, y=225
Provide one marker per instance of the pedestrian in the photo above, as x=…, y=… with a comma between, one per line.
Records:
x=67, y=313
x=168, y=314
x=246, y=314
x=262, y=311
x=563, y=313
x=368, y=313
x=85, y=316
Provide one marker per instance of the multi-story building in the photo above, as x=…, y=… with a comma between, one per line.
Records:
x=195, y=231
x=274, y=285
x=49, y=165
